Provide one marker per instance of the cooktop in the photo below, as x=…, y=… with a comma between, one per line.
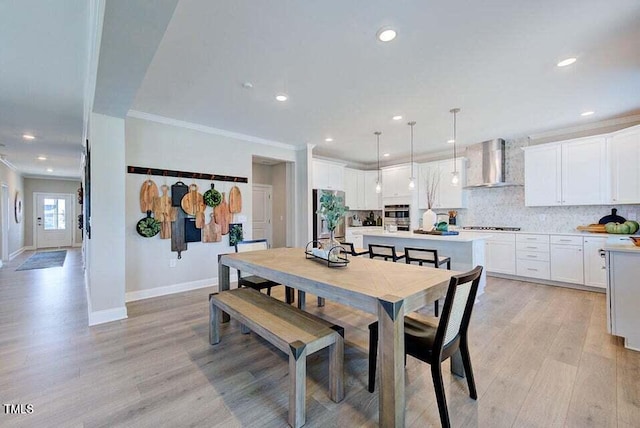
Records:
x=506, y=228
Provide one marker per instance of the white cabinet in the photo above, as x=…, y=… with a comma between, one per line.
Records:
x=624, y=160
x=354, y=198
x=542, y=175
x=567, y=259
x=500, y=253
x=584, y=172
x=447, y=195
x=623, y=299
x=532, y=256
x=372, y=200
x=567, y=173
x=595, y=273
x=327, y=175
x=395, y=181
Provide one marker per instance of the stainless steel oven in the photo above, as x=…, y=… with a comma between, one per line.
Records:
x=398, y=216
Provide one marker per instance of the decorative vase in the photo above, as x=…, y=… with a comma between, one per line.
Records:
x=429, y=219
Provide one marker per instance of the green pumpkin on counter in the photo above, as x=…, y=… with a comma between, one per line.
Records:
x=627, y=228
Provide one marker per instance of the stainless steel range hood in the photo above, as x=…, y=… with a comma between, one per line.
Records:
x=491, y=156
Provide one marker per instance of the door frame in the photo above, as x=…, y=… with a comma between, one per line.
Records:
x=4, y=223
x=34, y=212
x=269, y=188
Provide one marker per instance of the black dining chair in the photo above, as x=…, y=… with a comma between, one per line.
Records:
x=423, y=255
x=434, y=342
x=387, y=252
x=254, y=281
x=351, y=250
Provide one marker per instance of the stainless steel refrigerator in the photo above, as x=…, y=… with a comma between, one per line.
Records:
x=320, y=230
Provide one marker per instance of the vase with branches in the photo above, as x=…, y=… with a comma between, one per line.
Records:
x=431, y=185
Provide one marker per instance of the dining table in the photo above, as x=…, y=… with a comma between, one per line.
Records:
x=386, y=289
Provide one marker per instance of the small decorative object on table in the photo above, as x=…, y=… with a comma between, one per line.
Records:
x=332, y=210
x=334, y=256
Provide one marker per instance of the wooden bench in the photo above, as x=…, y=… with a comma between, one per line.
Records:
x=295, y=332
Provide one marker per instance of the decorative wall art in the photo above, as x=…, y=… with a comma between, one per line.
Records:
x=18, y=207
x=235, y=233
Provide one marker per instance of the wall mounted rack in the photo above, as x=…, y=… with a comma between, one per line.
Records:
x=184, y=174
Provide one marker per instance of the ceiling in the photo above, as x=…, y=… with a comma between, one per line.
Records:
x=43, y=67
x=187, y=60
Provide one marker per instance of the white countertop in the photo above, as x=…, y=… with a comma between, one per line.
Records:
x=531, y=232
x=466, y=236
x=621, y=244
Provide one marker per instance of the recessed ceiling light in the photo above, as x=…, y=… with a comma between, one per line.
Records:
x=328, y=139
x=49, y=169
x=42, y=158
x=282, y=97
x=587, y=113
x=386, y=34
x=386, y=155
x=566, y=62
x=247, y=85
x=28, y=137
x=451, y=141
x=397, y=117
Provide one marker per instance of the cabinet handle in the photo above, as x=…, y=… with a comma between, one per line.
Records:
x=565, y=240
x=533, y=257
x=614, y=199
x=531, y=239
x=536, y=270
x=533, y=248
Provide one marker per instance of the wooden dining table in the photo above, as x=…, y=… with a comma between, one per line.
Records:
x=388, y=290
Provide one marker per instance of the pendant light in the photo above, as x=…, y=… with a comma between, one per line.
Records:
x=455, y=179
x=378, y=183
x=412, y=180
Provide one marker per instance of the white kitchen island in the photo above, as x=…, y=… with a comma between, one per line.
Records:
x=466, y=249
x=623, y=290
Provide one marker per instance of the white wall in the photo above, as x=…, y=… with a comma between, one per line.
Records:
x=14, y=183
x=158, y=145
x=37, y=185
x=105, y=251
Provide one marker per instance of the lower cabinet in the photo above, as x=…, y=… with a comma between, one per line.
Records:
x=567, y=259
x=500, y=253
x=532, y=256
x=595, y=270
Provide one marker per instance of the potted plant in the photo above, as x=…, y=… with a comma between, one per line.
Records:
x=332, y=210
x=431, y=184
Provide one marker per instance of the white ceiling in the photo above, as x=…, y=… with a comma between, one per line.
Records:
x=494, y=59
x=43, y=66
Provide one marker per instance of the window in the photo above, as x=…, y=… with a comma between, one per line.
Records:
x=54, y=214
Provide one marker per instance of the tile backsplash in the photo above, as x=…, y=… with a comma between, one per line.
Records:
x=504, y=206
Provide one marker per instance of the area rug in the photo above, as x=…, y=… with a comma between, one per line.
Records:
x=44, y=260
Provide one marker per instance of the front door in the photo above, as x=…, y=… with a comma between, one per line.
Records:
x=53, y=220
x=261, y=202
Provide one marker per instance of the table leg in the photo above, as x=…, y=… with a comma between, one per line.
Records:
x=457, y=368
x=391, y=352
x=223, y=283
x=302, y=300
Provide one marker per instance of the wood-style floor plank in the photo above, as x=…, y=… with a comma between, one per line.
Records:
x=541, y=356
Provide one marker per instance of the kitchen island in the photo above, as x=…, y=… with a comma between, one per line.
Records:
x=467, y=250
x=623, y=291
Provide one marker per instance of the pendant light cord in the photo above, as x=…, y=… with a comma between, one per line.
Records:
x=378, y=140
x=411, y=125
x=455, y=111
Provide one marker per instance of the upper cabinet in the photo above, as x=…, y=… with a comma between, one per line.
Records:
x=624, y=161
x=571, y=172
x=447, y=195
x=395, y=181
x=372, y=199
x=360, y=189
x=328, y=175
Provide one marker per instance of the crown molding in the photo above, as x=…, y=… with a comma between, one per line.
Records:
x=207, y=129
x=592, y=126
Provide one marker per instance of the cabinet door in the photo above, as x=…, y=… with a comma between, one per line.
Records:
x=358, y=241
x=595, y=271
x=320, y=175
x=624, y=161
x=542, y=178
x=500, y=257
x=371, y=198
x=567, y=263
x=450, y=195
x=336, y=177
x=360, y=184
x=351, y=188
x=584, y=172
x=390, y=179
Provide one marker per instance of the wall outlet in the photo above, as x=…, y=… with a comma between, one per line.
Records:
x=173, y=262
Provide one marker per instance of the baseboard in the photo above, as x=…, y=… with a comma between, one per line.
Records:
x=132, y=296
x=548, y=282
x=107, y=315
x=18, y=252
x=76, y=245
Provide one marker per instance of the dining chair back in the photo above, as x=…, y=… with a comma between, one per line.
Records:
x=428, y=256
x=387, y=252
x=350, y=249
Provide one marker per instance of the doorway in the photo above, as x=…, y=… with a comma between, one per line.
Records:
x=262, y=212
x=53, y=220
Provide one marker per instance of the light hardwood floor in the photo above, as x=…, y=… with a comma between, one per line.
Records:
x=541, y=356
